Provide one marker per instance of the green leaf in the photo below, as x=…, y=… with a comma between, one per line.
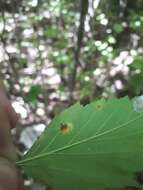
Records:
x=33, y=93
x=51, y=32
x=96, y=147
x=136, y=81
x=60, y=57
x=23, y=62
x=137, y=63
x=118, y=28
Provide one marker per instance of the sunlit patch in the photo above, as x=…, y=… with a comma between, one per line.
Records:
x=66, y=128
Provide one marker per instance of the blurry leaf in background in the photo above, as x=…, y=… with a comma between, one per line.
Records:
x=61, y=88
x=118, y=28
x=23, y=62
x=136, y=82
x=60, y=57
x=61, y=44
x=34, y=92
x=51, y=31
x=63, y=59
x=137, y=63
x=111, y=39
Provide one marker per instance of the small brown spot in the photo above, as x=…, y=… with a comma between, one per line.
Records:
x=99, y=107
x=66, y=128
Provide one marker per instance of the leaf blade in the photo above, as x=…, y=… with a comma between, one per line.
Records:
x=103, y=149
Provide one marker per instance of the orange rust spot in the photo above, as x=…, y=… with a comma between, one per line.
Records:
x=66, y=128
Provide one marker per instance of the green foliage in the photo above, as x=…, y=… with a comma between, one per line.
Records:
x=51, y=31
x=60, y=57
x=137, y=63
x=136, y=82
x=98, y=146
x=118, y=28
x=34, y=92
x=136, y=79
x=23, y=62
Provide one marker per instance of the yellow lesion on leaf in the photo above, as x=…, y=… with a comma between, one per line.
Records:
x=66, y=128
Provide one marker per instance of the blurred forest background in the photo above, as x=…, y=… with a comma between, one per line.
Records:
x=54, y=53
